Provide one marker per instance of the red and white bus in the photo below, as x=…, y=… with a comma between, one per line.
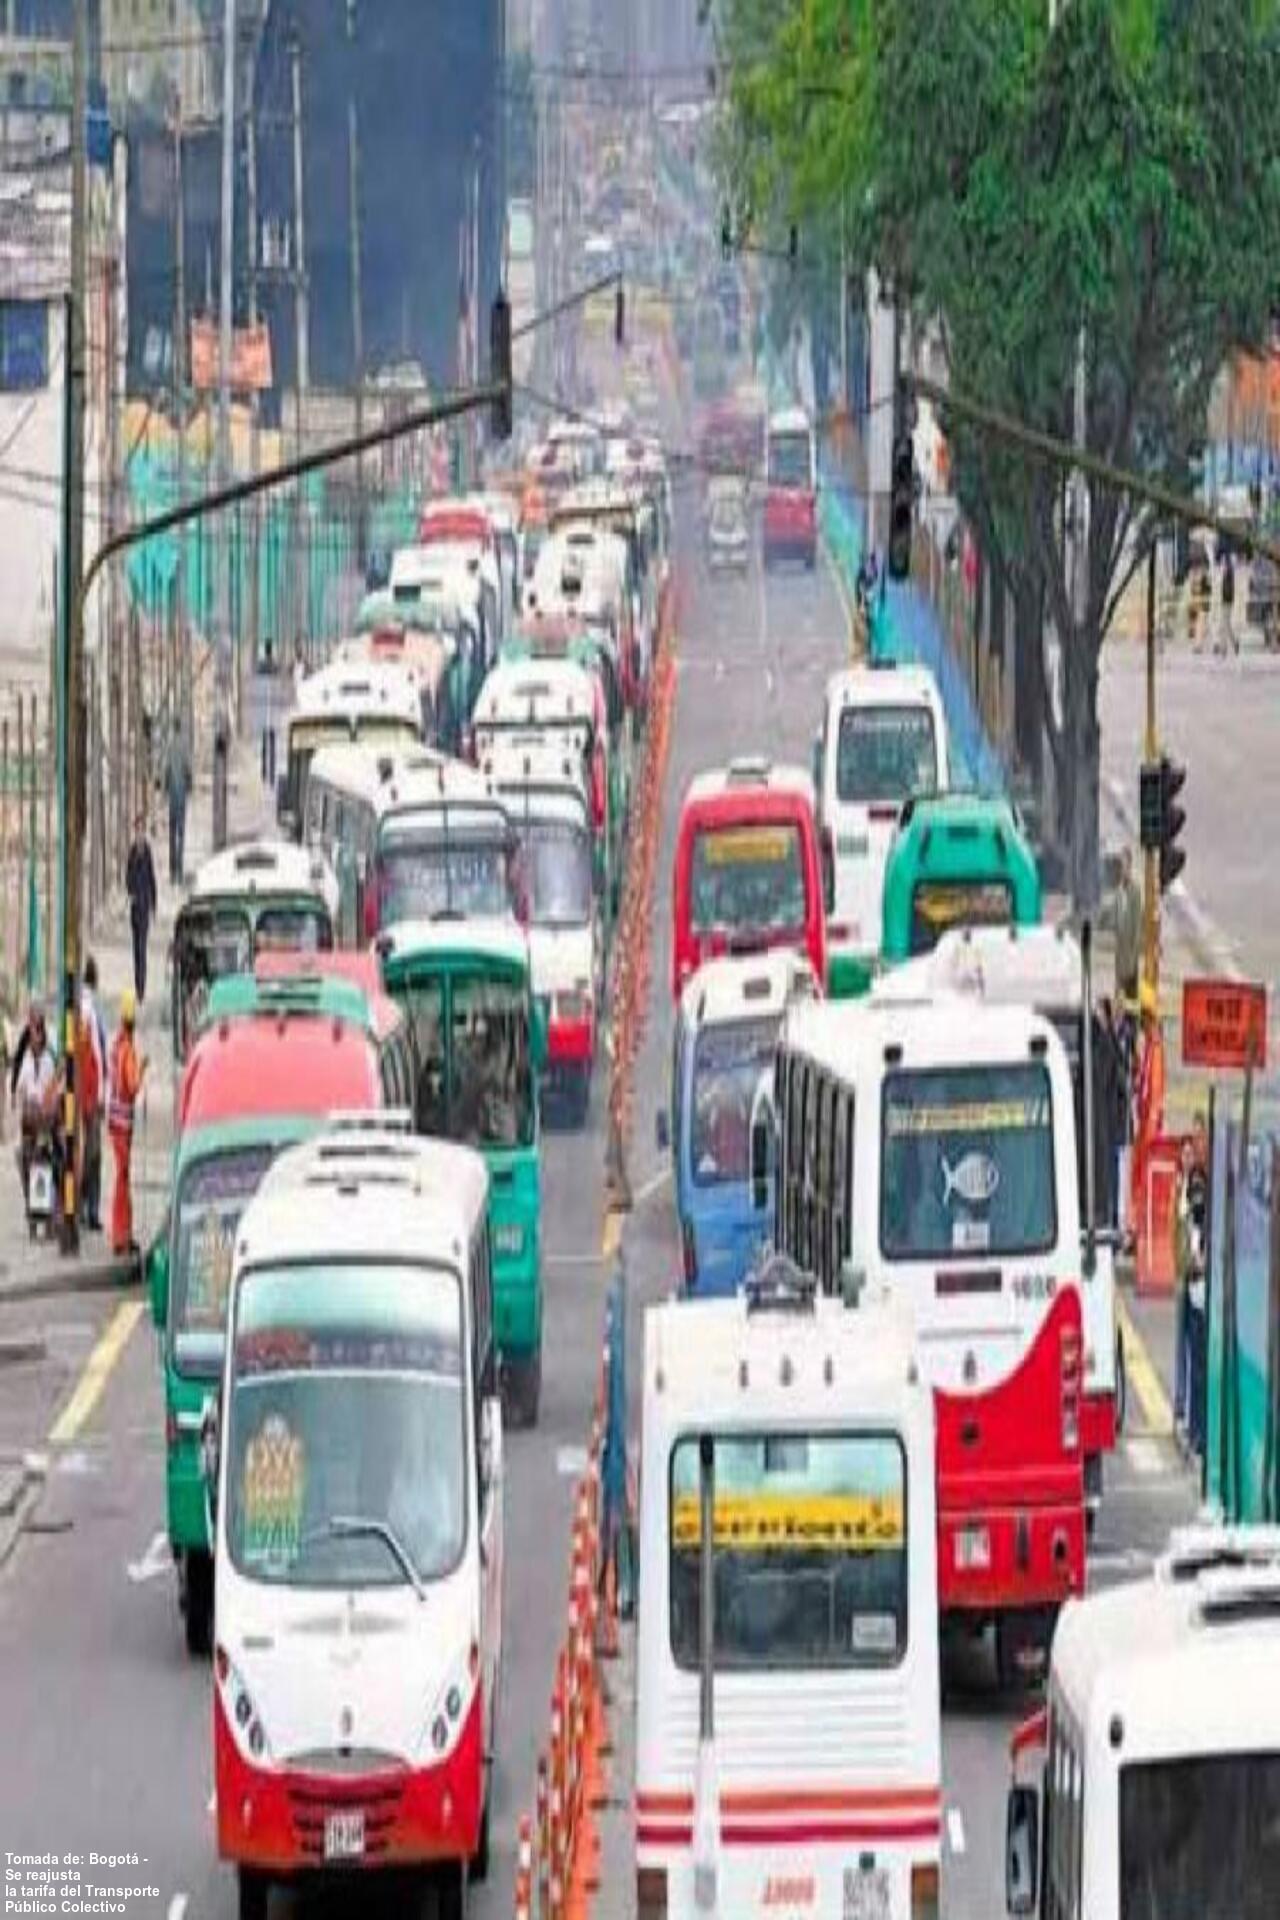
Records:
x=932, y=1147
x=747, y=870
x=791, y=489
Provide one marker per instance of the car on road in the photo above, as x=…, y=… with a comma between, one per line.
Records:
x=727, y=540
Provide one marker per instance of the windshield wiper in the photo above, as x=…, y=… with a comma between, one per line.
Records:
x=353, y=1527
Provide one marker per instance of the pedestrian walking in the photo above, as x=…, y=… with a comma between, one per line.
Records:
x=91, y=1074
x=140, y=885
x=1124, y=915
x=1201, y=611
x=177, y=787
x=1189, y=1374
x=1227, y=636
x=127, y=1073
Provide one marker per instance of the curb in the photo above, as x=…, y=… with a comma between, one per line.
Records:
x=102, y=1275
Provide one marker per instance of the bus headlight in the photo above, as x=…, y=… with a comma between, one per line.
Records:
x=452, y=1702
x=243, y=1717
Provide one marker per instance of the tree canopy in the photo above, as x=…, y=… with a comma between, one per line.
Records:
x=1016, y=183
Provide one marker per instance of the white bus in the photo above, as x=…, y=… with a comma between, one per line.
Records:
x=359, y=1526
x=883, y=740
x=932, y=1147
x=410, y=836
x=344, y=702
x=1159, y=1747
x=542, y=782
x=788, y=1741
x=1042, y=967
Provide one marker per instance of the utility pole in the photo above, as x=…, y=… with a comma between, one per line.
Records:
x=255, y=449
x=71, y=704
x=1150, y=754
x=357, y=302
x=301, y=313
x=222, y=701
x=180, y=423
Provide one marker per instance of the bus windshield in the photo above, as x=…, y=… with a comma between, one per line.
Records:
x=966, y=1163
x=300, y=926
x=209, y=943
x=727, y=1064
x=1200, y=1838
x=938, y=905
x=346, y=1432
x=211, y=1198
x=789, y=460
x=810, y=1550
x=474, y=1074
x=748, y=878
x=885, y=754
x=557, y=856
x=430, y=876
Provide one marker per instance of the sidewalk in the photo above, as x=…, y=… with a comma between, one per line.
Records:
x=27, y=1269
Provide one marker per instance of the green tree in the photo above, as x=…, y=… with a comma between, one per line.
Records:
x=1118, y=175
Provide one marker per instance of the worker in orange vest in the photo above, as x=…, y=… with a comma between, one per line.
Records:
x=1148, y=1095
x=127, y=1072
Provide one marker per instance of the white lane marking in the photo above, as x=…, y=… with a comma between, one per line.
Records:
x=1127, y=1560
x=573, y=1259
x=211, y=1806
x=955, y=1830
x=154, y=1562
x=1145, y=1457
x=178, y=1906
x=571, y=1462
x=647, y=1188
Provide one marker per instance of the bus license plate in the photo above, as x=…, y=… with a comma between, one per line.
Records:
x=866, y=1893
x=344, y=1835
x=973, y=1550
x=40, y=1189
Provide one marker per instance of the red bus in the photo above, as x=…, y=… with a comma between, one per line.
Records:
x=747, y=869
x=791, y=490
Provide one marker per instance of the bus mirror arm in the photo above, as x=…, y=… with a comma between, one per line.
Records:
x=210, y=1452
x=1022, y=1850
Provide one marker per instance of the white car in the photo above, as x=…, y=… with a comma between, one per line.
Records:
x=728, y=545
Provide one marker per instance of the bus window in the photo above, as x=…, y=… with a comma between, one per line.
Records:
x=810, y=1550
x=425, y=878
x=885, y=754
x=491, y=1093
x=967, y=1164
x=1201, y=1835
x=727, y=1064
x=749, y=878
x=938, y=905
x=212, y=1196
x=295, y=928
x=358, y=1414
x=790, y=460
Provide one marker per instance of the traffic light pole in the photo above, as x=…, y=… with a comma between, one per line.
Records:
x=1151, y=855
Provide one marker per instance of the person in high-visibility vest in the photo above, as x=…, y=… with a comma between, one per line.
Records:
x=124, y=1083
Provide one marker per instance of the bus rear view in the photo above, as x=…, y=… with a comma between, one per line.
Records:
x=791, y=490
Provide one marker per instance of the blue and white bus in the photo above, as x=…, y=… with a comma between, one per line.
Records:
x=726, y=1026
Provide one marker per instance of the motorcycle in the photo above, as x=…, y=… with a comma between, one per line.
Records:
x=41, y=1181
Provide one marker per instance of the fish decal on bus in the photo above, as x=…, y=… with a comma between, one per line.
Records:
x=975, y=1179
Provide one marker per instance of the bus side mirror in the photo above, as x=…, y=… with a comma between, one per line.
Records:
x=1022, y=1850
x=662, y=1130
x=827, y=855
x=210, y=1452
x=815, y=762
x=158, y=1275
x=538, y=1036
x=763, y=1131
x=284, y=817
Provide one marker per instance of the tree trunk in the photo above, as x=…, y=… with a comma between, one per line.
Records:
x=1081, y=764
x=1028, y=679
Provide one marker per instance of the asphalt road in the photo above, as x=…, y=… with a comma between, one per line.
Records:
x=108, y=1721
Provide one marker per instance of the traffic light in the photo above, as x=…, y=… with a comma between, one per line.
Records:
x=901, y=500
x=1172, y=820
x=1149, y=806
x=619, y=316
x=793, y=247
x=726, y=235
x=500, y=366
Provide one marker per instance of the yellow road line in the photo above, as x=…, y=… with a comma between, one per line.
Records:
x=1141, y=1374
x=88, y=1389
x=611, y=1238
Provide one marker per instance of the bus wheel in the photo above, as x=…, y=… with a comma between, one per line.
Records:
x=198, y=1604
x=1022, y=1648
x=479, y=1868
x=527, y=1389
x=253, y=1894
x=582, y=1096
x=1122, y=1384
